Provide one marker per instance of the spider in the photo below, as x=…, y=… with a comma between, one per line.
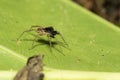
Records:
x=48, y=31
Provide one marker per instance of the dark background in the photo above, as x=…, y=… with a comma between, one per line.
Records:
x=108, y=9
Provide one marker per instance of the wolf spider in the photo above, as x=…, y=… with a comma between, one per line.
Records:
x=41, y=31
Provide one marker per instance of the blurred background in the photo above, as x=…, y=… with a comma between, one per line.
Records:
x=108, y=9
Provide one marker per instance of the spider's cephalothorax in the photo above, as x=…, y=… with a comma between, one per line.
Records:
x=48, y=31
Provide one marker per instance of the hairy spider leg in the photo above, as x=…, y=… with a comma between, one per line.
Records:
x=34, y=27
x=23, y=33
x=31, y=29
x=34, y=41
x=49, y=39
x=62, y=38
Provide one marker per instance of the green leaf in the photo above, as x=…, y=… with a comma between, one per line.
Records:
x=93, y=43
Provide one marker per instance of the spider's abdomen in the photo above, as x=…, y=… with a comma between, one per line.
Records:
x=51, y=31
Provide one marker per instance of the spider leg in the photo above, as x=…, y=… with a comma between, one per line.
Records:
x=49, y=39
x=23, y=33
x=31, y=29
x=34, y=41
x=62, y=38
x=34, y=26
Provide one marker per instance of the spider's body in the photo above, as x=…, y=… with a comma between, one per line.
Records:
x=48, y=31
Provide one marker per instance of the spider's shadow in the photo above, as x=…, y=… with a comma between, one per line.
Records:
x=42, y=41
